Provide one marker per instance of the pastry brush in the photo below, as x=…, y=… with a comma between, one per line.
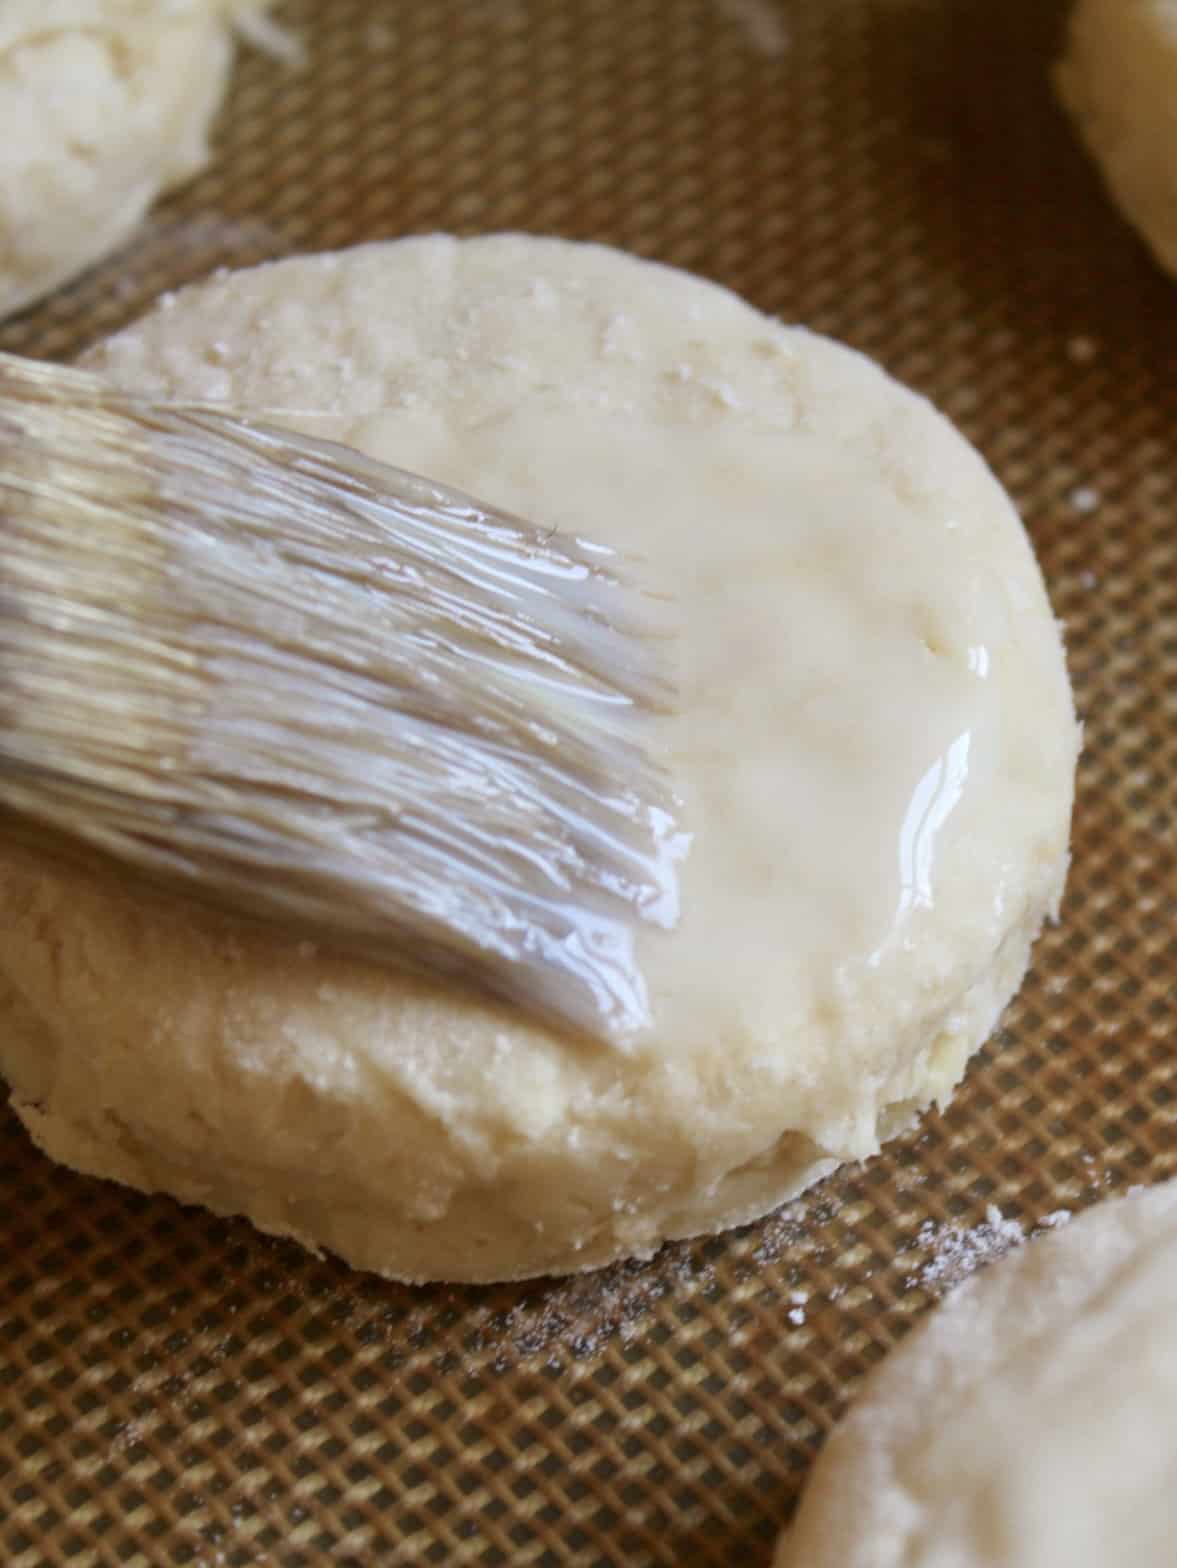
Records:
x=265, y=671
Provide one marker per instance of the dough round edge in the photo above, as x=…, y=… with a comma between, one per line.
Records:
x=1118, y=81
x=331, y=1208
x=854, y=1512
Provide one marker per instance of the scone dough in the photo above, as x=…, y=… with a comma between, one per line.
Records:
x=103, y=105
x=875, y=752
x=1030, y=1421
x=1119, y=80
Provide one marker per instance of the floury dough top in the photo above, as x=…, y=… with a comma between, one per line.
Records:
x=875, y=748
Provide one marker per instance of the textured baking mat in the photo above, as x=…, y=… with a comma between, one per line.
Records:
x=177, y=1389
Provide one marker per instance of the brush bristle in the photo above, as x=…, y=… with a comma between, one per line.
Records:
x=310, y=687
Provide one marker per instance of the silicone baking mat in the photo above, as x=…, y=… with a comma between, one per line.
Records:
x=176, y=1389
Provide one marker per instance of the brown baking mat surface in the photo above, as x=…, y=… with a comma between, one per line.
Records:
x=178, y=1389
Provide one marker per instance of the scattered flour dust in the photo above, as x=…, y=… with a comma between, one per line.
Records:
x=583, y=1313
x=954, y=1252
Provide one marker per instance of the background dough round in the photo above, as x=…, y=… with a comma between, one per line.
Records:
x=1030, y=1421
x=103, y=105
x=875, y=747
x=1119, y=80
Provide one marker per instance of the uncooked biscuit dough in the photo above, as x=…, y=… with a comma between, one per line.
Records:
x=1030, y=1422
x=1119, y=81
x=875, y=750
x=103, y=105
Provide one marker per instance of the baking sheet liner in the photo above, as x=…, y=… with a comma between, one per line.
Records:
x=177, y=1389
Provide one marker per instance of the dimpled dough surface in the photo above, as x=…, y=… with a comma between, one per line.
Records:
x=103, y=104
x=875, y=750
x=1030, y=1422
x=1118, y=78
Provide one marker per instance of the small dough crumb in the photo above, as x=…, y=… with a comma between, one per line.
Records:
x=104, y=104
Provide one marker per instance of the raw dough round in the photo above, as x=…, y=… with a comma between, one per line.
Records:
x=1030, y=1421
x=1119, y=81
x=875, y=749
x=103, y=105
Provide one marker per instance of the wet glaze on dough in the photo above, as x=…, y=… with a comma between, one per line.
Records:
x=875, y=750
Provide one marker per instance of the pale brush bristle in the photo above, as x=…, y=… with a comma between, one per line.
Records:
x=304, y=685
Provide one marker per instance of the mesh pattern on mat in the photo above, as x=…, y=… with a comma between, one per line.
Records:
x=175, y=1389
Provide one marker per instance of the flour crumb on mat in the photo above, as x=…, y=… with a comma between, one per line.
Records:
x=1085, y=498
x=957, y=1251
x=1056, y=1218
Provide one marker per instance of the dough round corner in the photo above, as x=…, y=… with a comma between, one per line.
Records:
x=1118, y=81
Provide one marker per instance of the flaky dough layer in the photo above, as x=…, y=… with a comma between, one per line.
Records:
x=875, y=752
